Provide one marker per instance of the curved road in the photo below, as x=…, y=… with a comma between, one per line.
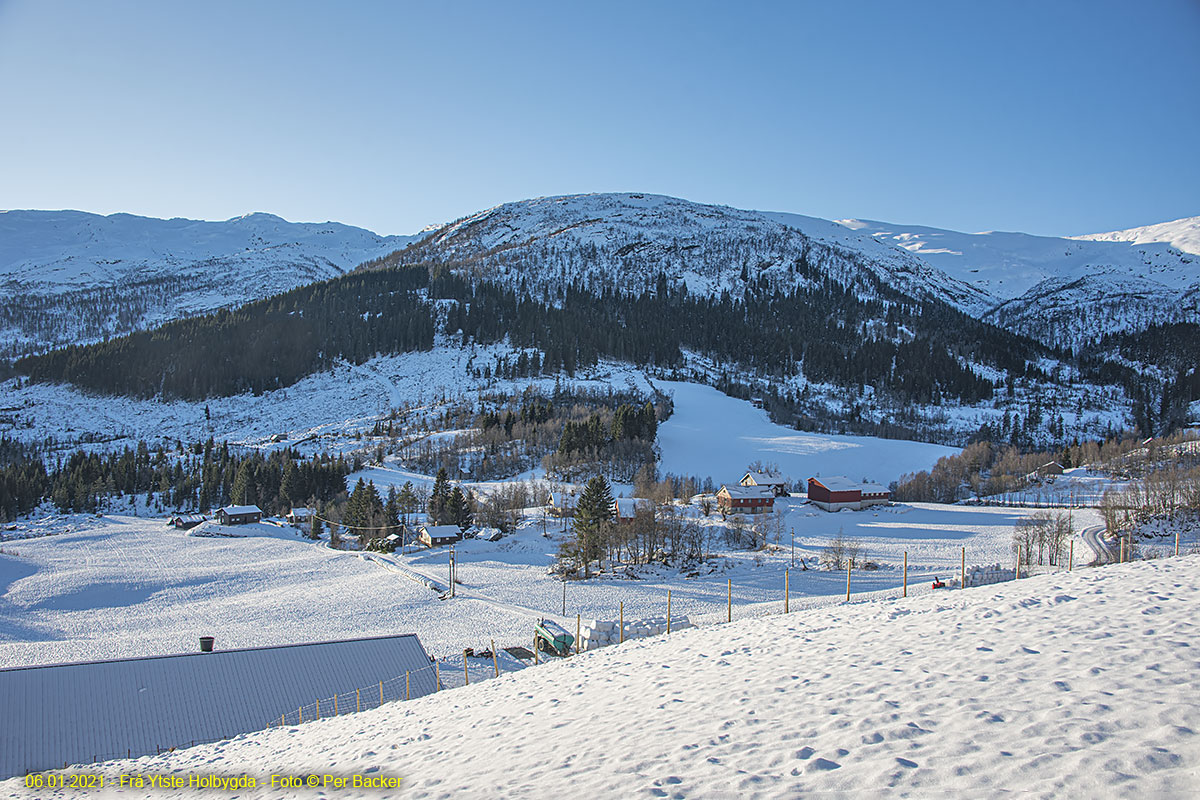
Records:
x=1092, y=536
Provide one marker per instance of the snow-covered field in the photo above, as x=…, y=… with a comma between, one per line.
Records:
x=123, y=586
x=714, y=435
x=1071, y=685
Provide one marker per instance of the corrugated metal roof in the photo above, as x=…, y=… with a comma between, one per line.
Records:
x=79, y=713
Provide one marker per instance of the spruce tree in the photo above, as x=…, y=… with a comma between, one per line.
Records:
x=592, y=514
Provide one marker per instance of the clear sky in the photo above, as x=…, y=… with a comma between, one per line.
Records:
x=1048, y=117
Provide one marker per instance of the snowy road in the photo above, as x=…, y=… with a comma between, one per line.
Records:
x=1092, y=537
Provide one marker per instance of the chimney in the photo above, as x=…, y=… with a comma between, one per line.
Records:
x=206, y=644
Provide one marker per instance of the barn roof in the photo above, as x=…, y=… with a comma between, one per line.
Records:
x=241, y=510
x=78, y=713
x=840, y=483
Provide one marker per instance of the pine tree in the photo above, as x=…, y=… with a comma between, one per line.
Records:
x=439, y=497
x=592, y=514
x=458, y=509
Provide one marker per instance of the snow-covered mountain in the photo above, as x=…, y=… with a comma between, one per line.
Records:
x=1182, y=234
x=625, y=241
x=72, y=276
x=1065, y=290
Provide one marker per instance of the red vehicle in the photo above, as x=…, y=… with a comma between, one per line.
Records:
x=938, y=583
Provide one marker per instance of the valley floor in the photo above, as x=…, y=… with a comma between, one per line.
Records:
x=1076, y=684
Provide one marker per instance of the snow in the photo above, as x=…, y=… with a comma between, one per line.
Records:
x=1074, y=684
x=714, y=435
x=1182, y=234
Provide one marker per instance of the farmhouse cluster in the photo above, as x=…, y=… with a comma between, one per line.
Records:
x=755, y=493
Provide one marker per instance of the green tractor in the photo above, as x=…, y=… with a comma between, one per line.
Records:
x=552, y=638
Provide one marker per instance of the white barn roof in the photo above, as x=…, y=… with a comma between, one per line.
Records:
x=79, y=713
x=231, y=510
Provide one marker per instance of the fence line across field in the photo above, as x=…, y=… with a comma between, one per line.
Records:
x=432, y=679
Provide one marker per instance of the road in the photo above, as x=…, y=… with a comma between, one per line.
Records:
x=1093, y=538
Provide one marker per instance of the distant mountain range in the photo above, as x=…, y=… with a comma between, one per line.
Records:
x=73, y=276
x=70, y=276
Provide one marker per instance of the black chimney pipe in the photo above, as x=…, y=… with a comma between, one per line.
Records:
x=206, y=644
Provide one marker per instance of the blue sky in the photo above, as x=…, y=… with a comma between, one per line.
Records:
x=1047, y=117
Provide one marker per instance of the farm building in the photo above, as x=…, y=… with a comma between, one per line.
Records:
x=625, y=508
x=300, y=517
x=438, y=535
x=1051, y=468
x=65, y=714
x=837, y=492
x=773, y=482
x=185, y=522
x=239, y=515
x=745, y=499
x=562, y=504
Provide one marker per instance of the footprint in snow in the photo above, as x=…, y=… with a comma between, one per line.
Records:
x=1031, y=651
x=805, y=752
x=822, y=765
x=1062, y=686
x=904, y=762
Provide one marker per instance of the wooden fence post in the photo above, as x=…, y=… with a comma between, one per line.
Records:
x=381, y=693
x=848, y=568
x=1071, y=558
x=578, y=627
x=729, y=605
x=905, y=573
x=962, y=582
x=495, y=663
x=622, y=634
x=437, y=675
x=300, y=714
x=536, y=659
x=1177, y=541
x=318, y=708
x=335, y=708
x=787, y=591
x=407, y=688
x=357, y=701
x=466, y=675
x=668, y=610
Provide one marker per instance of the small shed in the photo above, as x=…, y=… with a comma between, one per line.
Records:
x=624, y=509
x=239, y=515
x=185, y=522
x=740, y=499
x=438, y=535
x=85, y=712
x=1050, y=468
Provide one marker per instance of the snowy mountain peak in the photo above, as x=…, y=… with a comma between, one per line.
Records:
x=1182, y=234
x=625, y=240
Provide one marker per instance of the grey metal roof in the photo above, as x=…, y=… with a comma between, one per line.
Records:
x=79, y=713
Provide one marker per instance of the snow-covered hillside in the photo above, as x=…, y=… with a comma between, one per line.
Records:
x=1067, y=685
x=624, y=241
x=1064, y=290
x=1182, y=234
x=77, y=276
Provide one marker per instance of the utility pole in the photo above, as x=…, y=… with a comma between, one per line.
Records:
x=452, y=570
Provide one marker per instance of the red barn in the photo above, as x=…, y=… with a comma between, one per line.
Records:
x=837, y=492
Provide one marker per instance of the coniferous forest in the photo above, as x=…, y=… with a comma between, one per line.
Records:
x=908, y=351
x=200, y=476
